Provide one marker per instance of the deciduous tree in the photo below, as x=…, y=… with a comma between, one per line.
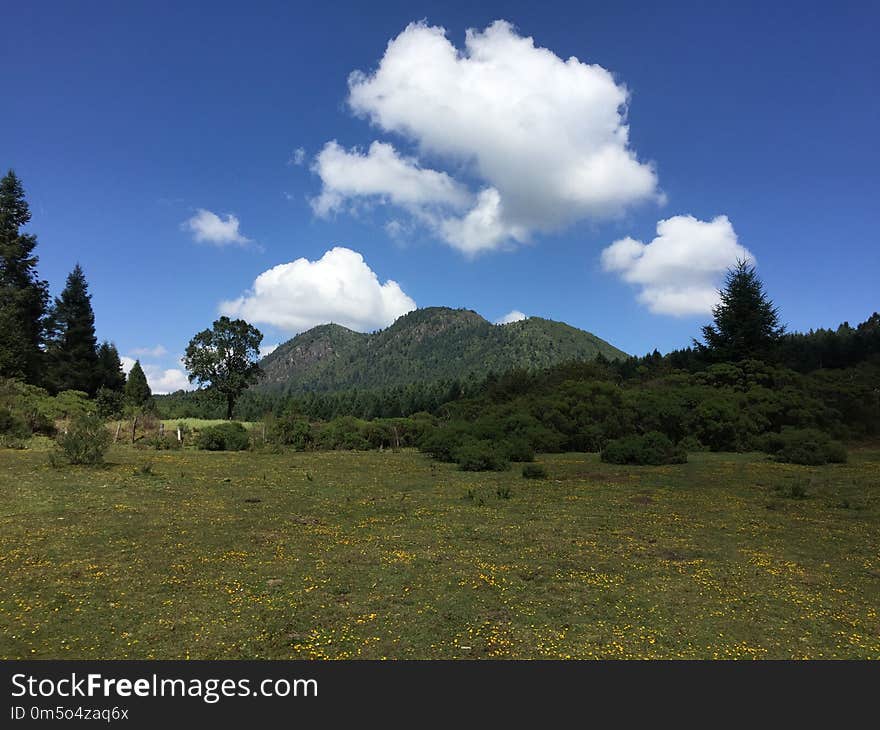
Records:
x=224, y=358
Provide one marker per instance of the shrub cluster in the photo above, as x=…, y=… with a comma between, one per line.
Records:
x=650, y=448
x=85, y=441
x=289, y=429
x=230, y=436
x=480, y=456
x=12, y=423
x=804, y=446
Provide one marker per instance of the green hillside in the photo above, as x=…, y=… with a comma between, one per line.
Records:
x=429, y=344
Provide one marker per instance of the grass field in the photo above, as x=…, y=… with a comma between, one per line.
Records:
x=346, y=555
x=200, y=423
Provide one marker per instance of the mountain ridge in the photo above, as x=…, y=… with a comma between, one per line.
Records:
x=426, y=344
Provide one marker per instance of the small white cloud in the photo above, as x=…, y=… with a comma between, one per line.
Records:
x=208, y=227
x=512, y=316
x=298, y=157
x=339, y=287
x=157, y=351
x=268, y=349
x=679, y=271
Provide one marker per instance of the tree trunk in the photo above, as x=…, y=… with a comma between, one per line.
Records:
x=116, y=435
x=134, y=424
x=230, y=400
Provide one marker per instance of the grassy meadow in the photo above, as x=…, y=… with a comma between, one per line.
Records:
x=189, y=554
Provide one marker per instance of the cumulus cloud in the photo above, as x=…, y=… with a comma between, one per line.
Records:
x=679, y=271
x=208, y=227
x=266, y=350
x=381, y=173
x=339, y=287
x=512, y=316
x=161, y=380
x=546, y=139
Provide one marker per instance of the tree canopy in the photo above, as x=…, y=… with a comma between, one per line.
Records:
x=23, y=295
x=746, y=323
x=224, y=358
x=138, y=395
x=110, y=373
x=73, y=347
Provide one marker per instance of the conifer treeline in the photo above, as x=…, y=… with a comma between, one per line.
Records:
x=49, y=345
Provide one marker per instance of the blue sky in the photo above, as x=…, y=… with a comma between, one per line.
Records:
x=125, y=120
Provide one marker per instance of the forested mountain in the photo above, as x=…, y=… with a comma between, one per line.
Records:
x=431, y=344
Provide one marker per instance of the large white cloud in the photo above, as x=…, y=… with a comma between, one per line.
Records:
x=380, y=172
x=339, y=287
x=208, y=227
x=680, y=270
x=546, y=138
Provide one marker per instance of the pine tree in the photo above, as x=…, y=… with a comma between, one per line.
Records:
x=73, y=351
x=23, y=296
x=138, y=395
x=110, y=367
x=746, y=323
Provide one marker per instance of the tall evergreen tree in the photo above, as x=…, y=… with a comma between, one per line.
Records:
x=746, y=323
x=23, y=296
x=138, y=395
x=73, y=347
x=110, y=367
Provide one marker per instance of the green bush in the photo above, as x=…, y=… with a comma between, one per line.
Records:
x=165, y=442
x=480, y=456
x=345, y=433
x=86, y=440
x=109, y=403
x=230, y=436
x=534, y=471
x=807, y=446
x=290, y=429
x=517, y=449
x=27, y=403
x=378, y=435
x=443, y=442
x=70, y=404
x=13, y=425
x=691, y=444
x=651, y=448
